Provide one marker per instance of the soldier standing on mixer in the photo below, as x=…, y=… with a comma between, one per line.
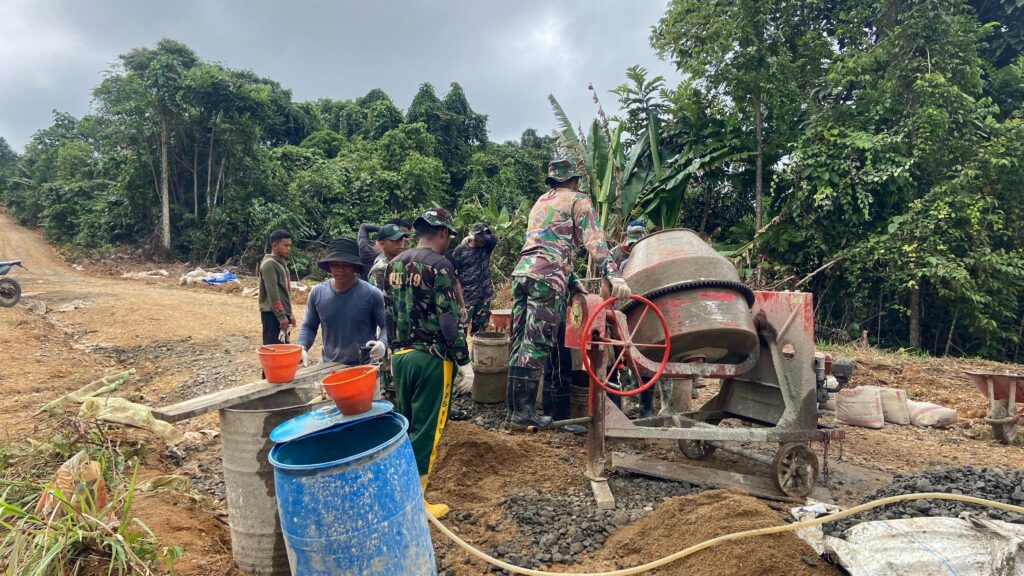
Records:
x=561, y=221
x=428, y=339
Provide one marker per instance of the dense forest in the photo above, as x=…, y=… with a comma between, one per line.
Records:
x=868, y=151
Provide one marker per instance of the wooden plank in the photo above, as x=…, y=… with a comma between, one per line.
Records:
x=232, y=396
x=603, y=494
x=679, y=472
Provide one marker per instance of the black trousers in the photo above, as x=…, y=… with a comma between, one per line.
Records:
x=271, y=328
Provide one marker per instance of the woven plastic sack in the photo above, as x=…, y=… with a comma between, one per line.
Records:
x=861, y=406
x=927, y=414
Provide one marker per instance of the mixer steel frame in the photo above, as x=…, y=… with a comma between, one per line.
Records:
x=773, y=388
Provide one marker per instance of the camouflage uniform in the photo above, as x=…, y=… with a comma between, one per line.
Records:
x=561, y=221
x=376, y=279
x=428, y=341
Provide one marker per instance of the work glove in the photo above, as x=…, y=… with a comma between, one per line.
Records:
x=305, y=358
x=377, y=349
x=465, y=315
x=620, y=290
x=464, y=380
x=467, y=240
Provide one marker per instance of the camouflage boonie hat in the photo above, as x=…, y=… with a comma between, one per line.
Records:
x=559, y=171
x=437, y=217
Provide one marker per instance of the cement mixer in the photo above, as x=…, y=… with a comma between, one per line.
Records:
x=692, y=318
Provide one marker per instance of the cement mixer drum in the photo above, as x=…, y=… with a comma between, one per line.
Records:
x=700, y=294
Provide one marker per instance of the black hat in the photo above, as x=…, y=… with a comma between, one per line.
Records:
x=342, y=250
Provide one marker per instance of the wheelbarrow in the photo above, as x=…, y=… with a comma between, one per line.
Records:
x=1003, y=391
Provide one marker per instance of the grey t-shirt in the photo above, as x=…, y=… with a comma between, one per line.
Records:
x=349, y=319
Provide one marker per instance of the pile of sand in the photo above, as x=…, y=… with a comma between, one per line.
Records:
x=689, y=520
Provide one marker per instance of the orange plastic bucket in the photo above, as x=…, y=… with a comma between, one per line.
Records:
x=352, y=388
x=281, y=362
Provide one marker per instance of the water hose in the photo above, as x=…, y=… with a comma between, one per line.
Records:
x=728, y=537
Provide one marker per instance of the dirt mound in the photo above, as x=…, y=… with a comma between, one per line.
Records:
x=689, y=520
x=476, y=466
x=175, y=520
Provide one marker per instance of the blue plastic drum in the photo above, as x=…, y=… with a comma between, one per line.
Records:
x=350, y=502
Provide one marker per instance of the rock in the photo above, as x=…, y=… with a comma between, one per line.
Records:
x=620, y=519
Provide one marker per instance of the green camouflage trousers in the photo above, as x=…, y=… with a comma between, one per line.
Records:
x=479, y=316
x=537, y=310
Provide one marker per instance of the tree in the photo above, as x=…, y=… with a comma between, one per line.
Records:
x=762, y=56
x=162, y=71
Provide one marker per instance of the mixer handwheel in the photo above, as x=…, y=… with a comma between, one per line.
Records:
x=624, y=344
x=795, y=470
x=696, y=449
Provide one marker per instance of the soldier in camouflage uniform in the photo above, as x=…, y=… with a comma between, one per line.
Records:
x=561, y=221
x=428, y=340
x=392, y=238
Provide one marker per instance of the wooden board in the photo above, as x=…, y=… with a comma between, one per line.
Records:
x=232, y=396
x=602, y=494
x=677, y=471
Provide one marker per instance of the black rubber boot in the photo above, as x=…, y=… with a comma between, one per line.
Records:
x=522, y=396
x=647, y=403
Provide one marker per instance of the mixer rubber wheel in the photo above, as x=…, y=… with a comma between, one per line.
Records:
x=795, y=470
x=696, y=449
x=1004, y=433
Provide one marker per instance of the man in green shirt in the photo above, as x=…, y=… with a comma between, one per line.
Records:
x=428, y=339
x=274, y=291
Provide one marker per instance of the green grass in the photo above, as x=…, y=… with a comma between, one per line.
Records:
x=80, y=537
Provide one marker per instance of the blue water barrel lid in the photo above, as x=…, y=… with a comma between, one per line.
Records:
x=322, y=419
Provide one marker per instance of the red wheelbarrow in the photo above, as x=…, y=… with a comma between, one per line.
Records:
x=1003, y=391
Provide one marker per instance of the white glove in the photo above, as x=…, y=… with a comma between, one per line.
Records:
x=377, y=349
x=620, y=290
x=305, y=358
x=464, y=381
x=467, y=240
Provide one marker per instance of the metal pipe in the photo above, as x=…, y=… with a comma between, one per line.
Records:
x=560, y=424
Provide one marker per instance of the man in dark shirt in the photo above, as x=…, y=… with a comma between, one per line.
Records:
x=369, y=250
x=274, y=290
x=473, y=260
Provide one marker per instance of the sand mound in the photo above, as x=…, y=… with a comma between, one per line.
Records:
x=476, y=466
x=689, y=520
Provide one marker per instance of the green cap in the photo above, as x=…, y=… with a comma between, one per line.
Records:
x=391, y=232
x=559, y=171
x=437, y=217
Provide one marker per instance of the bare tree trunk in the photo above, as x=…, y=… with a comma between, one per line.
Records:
x=165, y=202
x=759, y=162
x=209, y=170
x=915, y=317
x=220, y=177
x=707, y=210
x=195, y=182
x=949, y=339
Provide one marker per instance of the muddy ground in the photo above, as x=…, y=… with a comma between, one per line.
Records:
x=185, y=342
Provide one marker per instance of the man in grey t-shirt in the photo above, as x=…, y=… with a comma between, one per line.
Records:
x=350, y=311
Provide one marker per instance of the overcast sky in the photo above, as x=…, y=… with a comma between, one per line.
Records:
x=508, y=56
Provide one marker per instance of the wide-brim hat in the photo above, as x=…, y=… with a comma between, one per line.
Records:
x=437, y=217
x=344, y=250
x=560, y=171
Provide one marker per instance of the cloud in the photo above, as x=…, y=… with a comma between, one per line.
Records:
x=508, y=56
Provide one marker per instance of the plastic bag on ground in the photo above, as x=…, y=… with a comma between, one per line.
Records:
x=79, y=482
x=965, y=546
x=122, y=411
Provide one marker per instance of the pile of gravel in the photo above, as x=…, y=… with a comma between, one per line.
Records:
x=558, y=528
x=989, y=483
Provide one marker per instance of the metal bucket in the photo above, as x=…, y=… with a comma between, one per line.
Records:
x=579, y=396
x=350, y=501
x=256, y=541
x=490, y=352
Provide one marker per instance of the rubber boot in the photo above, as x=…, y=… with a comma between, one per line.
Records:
x=522, y=397
x=436, y=510
x=647, y=403
x=561, y=412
